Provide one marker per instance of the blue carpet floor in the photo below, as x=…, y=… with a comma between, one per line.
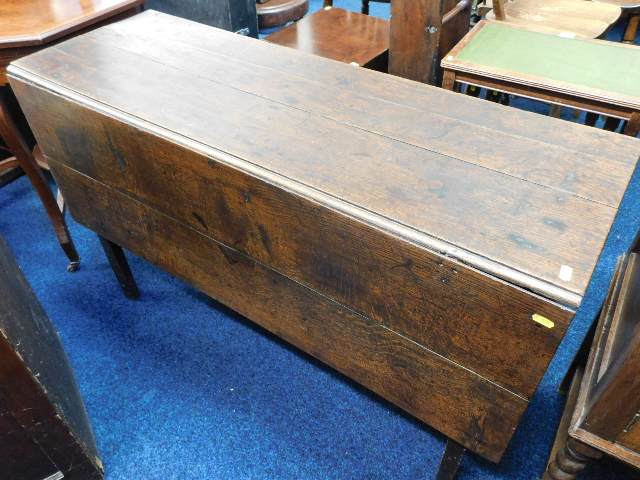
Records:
x=179, y=387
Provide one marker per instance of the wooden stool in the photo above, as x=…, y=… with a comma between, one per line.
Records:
x=27, y=26
x=341, y=35
x=273, y=13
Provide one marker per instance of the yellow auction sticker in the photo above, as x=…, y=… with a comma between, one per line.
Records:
x=544, y=321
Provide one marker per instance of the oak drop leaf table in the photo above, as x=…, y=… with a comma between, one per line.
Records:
x=25, y=27
x=381, y=228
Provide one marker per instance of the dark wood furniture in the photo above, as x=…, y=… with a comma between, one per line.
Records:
x=341, y=35
x=44, y=429
x=601, y=414
x=422, y=32
x=273, y=13
x=237, y=16
x=593, y=75
x=27, y=26
x=381, y=227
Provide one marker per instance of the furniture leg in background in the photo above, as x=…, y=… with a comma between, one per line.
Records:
x=631, y=31
x=24, y=157
x=365, y=5
x=451, y=460
x=120, y=267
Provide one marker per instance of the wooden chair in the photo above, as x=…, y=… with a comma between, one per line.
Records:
x=348, y=37
x=576, y=18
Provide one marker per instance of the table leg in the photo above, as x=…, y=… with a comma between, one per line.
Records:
x=448, y=80
x=633, y=125
x=453, y=453
x=631, y=31
x=18, y=146
x=120, y=268
x=569, y=457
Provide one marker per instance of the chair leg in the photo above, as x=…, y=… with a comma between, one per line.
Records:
x=632, y=29
x=120, y=268
x=365, y=7
x=17, y=144
x=453, y=454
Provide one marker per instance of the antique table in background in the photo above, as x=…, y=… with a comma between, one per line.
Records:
x=593, y=75
x=431, y=246
x=25, y=27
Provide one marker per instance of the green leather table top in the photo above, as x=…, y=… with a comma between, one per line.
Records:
x=607, y=66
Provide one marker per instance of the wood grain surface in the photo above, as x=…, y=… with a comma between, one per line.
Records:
x=395, y=367
x=402, y=286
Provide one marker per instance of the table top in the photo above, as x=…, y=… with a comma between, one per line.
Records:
x=361, y=37
x=526, y=198
x=36, y=22
x=596, y=69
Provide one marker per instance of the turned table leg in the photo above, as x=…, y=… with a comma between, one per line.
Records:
x=568, y=462
x=453, y=454
x=569, y=457
x=18, y=146
x=120, y=268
